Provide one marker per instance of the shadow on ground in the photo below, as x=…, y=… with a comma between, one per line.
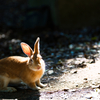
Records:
x=21, y=94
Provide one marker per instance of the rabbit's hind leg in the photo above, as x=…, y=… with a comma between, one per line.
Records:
x=4, y=81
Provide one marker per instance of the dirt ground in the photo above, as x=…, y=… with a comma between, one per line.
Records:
x=80, y=84
x=78, y=78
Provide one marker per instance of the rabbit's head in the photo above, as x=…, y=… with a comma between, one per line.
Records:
x=35, y=59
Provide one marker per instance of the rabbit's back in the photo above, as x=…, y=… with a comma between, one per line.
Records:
x=12, y=66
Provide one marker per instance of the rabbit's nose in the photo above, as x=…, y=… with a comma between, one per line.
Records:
x=39, y=66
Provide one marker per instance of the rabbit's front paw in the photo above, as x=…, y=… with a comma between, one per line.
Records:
x=33, y=86
x=42, y=85
x=36, y=88
x=8, y=89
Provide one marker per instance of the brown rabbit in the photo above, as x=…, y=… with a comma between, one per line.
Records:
x=29, y=69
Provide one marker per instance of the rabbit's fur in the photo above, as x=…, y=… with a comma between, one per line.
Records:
x=29, y=69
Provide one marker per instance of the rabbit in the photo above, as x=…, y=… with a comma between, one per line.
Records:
x=29, y=70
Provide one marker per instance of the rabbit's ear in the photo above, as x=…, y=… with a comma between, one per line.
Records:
x=36, y=46
x=26, y=49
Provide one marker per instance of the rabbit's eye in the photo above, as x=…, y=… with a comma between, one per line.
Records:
x=31, y=60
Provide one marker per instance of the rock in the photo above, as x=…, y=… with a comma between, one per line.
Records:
x=88, y=96
x=50, y=72
x=85, y=79
x=67, y=89
x=74, y=72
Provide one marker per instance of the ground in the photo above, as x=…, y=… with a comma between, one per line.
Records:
x=72, y=64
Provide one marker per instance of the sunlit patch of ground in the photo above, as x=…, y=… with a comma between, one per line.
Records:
x=77, y=78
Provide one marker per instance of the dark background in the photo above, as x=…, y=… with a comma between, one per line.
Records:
x=58, y=23
x=49, y=14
